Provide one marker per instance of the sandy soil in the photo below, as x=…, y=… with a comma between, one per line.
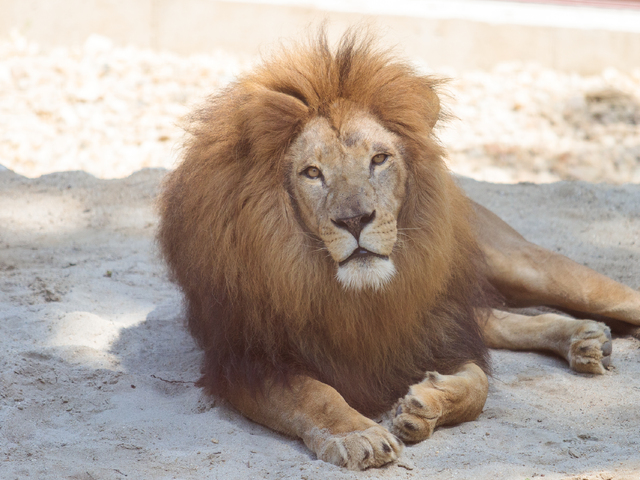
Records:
x=97, y=372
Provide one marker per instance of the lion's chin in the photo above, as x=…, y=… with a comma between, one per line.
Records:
x=368, y=272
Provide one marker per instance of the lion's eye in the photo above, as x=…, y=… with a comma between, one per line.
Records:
x=379, y=159
x=313, y=172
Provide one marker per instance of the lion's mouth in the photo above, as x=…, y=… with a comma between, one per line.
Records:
x=361, y=253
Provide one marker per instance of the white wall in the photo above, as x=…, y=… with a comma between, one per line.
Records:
x=464, y=34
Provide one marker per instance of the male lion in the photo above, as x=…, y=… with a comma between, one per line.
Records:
x=333, y=270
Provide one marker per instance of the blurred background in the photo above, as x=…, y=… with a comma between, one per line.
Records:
x=540, y=91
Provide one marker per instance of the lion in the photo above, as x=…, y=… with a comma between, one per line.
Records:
x=333, y=270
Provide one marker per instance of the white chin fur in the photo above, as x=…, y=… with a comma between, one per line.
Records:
x=361, y=273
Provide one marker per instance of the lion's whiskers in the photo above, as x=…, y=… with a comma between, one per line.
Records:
x=404, y=239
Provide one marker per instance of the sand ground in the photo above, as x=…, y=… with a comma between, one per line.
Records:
x=97, y=371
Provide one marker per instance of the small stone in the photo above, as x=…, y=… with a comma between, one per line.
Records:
x=405, y=463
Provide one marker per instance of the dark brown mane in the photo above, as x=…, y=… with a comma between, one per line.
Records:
x=262, y=301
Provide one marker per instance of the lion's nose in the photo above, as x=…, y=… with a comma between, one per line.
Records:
x=354, y=225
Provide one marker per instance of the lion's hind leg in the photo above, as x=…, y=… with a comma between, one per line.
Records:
x=585, y=344
x=529, y=275
x=441, y=400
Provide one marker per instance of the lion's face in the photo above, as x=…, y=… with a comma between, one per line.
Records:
x=349, y=184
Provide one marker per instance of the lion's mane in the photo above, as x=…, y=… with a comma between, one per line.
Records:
x=261, y=295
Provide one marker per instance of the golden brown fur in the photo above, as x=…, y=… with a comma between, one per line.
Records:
x=261, y=293
x=255, y=241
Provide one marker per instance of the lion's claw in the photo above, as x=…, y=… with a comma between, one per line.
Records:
x=360, y=450
x=591, y=348
x=415, y=419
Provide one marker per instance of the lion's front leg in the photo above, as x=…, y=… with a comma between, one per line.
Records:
x=585, y=344
x=317, y=413
x=441, y=400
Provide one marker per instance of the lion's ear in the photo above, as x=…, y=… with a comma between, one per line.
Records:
x=288, y=102
x=271, y=121
x=408, y=105
x=432, y=106
x=424, y=98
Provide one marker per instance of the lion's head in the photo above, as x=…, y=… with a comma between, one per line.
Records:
x=313, y=226
x=349, y=184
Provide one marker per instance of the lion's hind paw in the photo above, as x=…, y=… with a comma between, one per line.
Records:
x=591, y=347
x=360, y=450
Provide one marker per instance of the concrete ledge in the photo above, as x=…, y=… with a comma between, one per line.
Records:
x=456, y=33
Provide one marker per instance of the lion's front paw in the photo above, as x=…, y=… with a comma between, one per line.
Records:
x=416, y=418
x=591, y=347
x=360, y=450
